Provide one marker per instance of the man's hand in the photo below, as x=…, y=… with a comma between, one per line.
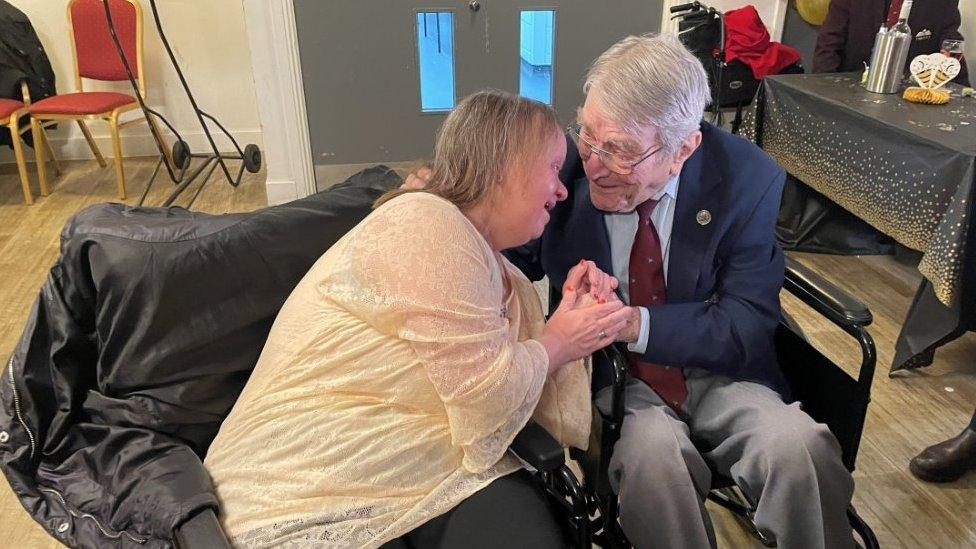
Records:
x=631, y=332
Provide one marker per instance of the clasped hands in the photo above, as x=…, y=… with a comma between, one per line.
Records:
x=589, y=317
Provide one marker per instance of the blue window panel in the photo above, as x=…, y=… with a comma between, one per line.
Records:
x=535, y=54
x=435, y=53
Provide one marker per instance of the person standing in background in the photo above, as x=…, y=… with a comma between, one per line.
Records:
x=846, y=37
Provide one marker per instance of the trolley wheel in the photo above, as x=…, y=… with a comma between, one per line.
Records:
x=252, y=158
x=181, y=154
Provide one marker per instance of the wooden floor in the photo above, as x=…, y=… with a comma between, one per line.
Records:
x=908, y=412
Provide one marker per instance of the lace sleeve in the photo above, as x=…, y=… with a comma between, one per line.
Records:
x=431, y=280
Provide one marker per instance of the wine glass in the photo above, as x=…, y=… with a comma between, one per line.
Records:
x=952, y=48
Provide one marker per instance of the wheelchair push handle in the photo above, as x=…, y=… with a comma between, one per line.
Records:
x=684, y=7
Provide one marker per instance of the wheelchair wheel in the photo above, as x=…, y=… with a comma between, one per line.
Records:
x=181, y=154
x=252, y=158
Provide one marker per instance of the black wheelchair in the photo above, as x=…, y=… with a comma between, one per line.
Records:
x=825, y=390
x=229, y=274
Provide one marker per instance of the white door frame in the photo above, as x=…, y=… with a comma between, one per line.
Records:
x=773, y=13
x=280, y=95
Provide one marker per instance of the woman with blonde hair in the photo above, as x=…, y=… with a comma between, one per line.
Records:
x=411, y=354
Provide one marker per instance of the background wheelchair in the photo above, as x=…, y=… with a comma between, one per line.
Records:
x=702, y=30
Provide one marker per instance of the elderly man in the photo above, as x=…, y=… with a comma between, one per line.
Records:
x=682, y=213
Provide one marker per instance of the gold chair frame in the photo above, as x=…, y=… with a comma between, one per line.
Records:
x=40, y=140
x=112, y=116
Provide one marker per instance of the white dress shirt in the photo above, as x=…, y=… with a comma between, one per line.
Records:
x=622, y=228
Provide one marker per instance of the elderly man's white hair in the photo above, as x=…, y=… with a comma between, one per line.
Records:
x=653, y=80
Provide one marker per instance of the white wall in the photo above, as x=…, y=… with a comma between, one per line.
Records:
x=210, y=44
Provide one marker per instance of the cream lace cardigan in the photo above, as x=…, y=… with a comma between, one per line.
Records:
x=394, y=379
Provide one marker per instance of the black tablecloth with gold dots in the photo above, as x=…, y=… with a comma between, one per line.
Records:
x=908, y=170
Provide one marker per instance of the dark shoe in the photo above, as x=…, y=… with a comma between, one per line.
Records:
x=946, y=461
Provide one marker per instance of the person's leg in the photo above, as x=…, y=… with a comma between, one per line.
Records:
x=513, y=511
x=658, y=475
x=949, y=459
x=779, y=456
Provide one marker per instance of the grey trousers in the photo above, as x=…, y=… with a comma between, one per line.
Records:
x=782, y=459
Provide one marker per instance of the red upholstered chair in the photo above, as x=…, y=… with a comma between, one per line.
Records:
x=11, y=111
x=96, y=58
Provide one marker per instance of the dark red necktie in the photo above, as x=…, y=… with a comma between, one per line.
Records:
x=647, y=288
x=894, y=10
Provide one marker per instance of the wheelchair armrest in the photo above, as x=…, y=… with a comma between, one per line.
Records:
x=535, y=446
x=202, y=531
x=840, y=307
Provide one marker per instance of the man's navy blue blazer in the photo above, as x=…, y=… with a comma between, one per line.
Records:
x=724, y=275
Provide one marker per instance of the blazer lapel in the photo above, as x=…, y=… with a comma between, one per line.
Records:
x=689, y=234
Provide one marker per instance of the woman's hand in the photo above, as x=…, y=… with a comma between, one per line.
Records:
x=573, y=333
x=591, y=284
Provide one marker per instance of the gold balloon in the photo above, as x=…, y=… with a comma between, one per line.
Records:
x=813, y=11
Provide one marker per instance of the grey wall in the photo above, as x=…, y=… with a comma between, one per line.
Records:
x=801, y=35
x=360, y=69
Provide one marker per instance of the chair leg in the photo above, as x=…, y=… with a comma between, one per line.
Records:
x=19, y=154
x=91, y=143
x=117, y=145
x=47, y=145
x=37, y=134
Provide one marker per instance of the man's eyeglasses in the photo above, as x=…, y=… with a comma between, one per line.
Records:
x=619, y=163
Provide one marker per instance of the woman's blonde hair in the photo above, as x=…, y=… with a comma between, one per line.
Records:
x=487, y=134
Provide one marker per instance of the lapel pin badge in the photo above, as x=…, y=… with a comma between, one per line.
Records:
x=703, y=217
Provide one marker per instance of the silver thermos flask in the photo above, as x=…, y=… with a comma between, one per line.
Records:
x=890, y=53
